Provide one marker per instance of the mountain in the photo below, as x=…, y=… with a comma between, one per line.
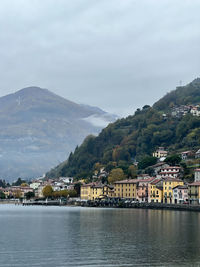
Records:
x=137, y=136
x=38, y=129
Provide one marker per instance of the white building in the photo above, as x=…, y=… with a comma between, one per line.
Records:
x=197, y=175
x=160, y=153
x=67, y=180
x=35, y=185
x=195, y=111
x=173, y=172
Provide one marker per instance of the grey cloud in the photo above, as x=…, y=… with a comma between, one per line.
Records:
x=115, y=54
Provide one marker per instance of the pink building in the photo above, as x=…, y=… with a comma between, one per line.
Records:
x=142, y=189
x=180, y=194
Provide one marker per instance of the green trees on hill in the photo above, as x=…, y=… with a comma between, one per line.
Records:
x=173, y=160
x=137, y=137
x=116, y=175
x=146, y=162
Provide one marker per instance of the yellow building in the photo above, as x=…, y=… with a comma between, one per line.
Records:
x=160, y=153
x=97, y=191
x=94, y=191
x=85, y=191
x=194, y=193
x=156, y=191
x=168, y=185
x=125, y=189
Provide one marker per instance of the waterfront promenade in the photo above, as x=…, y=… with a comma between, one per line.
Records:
x=112, y=204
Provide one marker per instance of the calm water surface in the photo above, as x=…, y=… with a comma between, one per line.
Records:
x=67, y=236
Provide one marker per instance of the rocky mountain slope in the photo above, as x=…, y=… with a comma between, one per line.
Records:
x=38, y=129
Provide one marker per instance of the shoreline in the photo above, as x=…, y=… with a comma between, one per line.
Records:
x=106, y=204
x=152, y=206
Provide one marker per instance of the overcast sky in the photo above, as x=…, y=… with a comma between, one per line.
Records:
x=114, y=54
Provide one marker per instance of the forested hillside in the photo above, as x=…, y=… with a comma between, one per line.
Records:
x=184, y=95
x=137, y=136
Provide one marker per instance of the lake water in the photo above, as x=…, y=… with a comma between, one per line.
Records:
x=74, y=236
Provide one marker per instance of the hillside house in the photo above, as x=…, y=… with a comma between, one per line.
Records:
x=160, y=153
x=66, y=180
x=158, y=166
x=197, y=154
x=171, y=171
x=186, y=155
x=197, y=175
x=180, y=111
x=195, y=111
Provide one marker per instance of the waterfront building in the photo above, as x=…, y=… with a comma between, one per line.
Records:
x=111, y=191
x=94, y=191
x=168, y=184
x=97, y=191
x=38, y=191
x=136, y=189
x=142, y=189
x=25, y=189
x=180, y=194
x=85, y=192
x=156, y=191
x=126, y=189
x=194, y=193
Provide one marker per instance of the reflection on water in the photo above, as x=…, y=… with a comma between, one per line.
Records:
x=55, y=236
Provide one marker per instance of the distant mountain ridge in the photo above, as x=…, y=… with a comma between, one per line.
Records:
x=38, y=129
